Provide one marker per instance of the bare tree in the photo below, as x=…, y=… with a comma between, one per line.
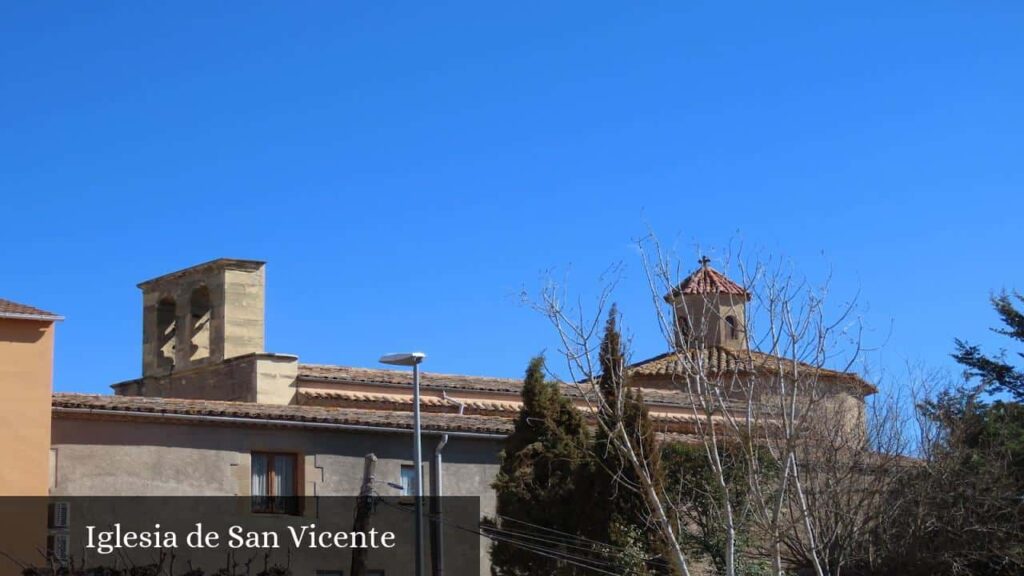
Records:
x=763, y=368
x=580, y=335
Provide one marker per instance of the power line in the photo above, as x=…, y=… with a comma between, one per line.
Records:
x=577, y=538
x=496, y=534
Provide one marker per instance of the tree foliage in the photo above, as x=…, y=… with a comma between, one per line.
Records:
x=961, y=510
x=623, y=413
x=690, y=484
x=538, y=478
x=565, y=484
x=995, y=372
x=961, y=505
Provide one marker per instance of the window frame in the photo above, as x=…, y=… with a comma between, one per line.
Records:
x=272, y=506
x=412, y=480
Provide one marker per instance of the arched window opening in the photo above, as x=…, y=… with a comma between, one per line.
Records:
x=685, y=332
x=166, y=330
x=199, y=332
x=733, y=330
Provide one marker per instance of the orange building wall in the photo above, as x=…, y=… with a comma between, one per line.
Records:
x=26, y=376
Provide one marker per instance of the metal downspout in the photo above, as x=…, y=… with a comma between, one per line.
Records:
x=437, y=493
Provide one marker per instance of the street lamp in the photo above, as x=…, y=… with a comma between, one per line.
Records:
x=413, y=359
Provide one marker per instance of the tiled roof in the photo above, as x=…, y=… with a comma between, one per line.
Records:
x=398, y=378
x=491, y=408
x=127, y=407
x=405, y=402
x=104, y=405
x=720, y=360
x=10, y=309
x=404, y=378
x=707, y=280
x=716, y=359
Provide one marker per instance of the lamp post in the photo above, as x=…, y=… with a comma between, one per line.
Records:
x=413, y=359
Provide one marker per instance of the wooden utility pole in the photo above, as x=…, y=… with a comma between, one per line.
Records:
x=363, y=509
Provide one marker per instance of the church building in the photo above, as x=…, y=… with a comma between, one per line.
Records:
x=214, y=413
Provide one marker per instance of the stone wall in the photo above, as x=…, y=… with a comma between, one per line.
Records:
x=202, y=315
x=263, y=378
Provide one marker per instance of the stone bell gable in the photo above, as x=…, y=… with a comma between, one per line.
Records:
x=202, y=315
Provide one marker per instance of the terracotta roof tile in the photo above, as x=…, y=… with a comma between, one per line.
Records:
x=707, y=280
x=714, y=360
x=129, y=405
x=405, y=402
x=664, y=398
x=721, y=360
x=95, y=405
x=10, y=309
x=404, y=378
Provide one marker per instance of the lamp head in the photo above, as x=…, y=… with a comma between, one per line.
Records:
x=403, y=359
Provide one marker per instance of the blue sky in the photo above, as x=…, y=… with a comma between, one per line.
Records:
x=407, y=168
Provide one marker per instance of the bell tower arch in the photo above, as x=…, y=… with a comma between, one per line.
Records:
x=202, y=315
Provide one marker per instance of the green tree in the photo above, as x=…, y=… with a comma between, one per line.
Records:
x=620, y=514
x=696, y=496
x=996, y=374
x=963, y=511
x=537, y=483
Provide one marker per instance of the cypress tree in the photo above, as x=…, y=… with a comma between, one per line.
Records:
x=553, y=477
x=619, y=511
x=537, y=481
